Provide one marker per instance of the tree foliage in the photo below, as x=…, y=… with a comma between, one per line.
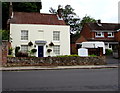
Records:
x=20, y=7
x=5, y=34
x=53, y=11
x=5, y=14
x=27, y=6
x=69, y=17
x=87, y=19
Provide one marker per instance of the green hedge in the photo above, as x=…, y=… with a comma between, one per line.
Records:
x=108, y=52
x=67, y=56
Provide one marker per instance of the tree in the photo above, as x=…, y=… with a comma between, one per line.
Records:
x=5, y=34
x=69, y=17
x=87, y=19
x=27, y=6
x=20, y=7
x=5, y=14
x=53, y=11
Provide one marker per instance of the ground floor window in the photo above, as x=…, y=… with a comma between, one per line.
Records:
x=56, y=49
x=24, y=48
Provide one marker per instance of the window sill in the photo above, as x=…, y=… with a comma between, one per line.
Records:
x=110, y=36
x=24, y=40
x=56, y=41
x=99, y=36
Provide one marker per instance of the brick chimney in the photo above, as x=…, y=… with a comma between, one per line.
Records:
x=59, y=12
x=10, y=10
x=99, y=21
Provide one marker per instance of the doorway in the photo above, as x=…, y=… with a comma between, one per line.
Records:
x=40, y=51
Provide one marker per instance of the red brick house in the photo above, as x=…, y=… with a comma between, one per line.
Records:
x=73, y=39
x=109, y=33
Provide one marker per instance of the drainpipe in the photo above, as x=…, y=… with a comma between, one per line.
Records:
x=119, y=49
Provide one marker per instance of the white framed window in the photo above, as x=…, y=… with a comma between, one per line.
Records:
x=24, y=48
x=56, y=35
x=110, y=34
x=56, y=49
x=99, y=34
x=24, y=34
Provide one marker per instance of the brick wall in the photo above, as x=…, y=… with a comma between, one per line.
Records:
x=81, y=39
x=86, y=32
x=4, y=51
x=118, y=38
x=54, y=61
x=73, y=48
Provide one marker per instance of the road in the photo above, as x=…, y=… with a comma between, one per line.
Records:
x=61, y=80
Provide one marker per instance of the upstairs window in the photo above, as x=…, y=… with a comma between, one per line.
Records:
x=110, y=34
x=24, y=34
x=99, y=34
x=56, y=35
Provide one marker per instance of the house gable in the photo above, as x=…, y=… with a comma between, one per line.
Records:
x=103, y=32
x=86, y=31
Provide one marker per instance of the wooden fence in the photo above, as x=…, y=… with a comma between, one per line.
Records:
x=95, y=51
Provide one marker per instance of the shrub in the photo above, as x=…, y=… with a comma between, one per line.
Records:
x=108, y=51
x=92, y=55
x=10, y=51
x=21, y=54
x=17, y=50
x=51, y=44
x=30, y=43
x=32, y=56
x=67, y=56
x=49, y=50
x=10, y=56
x=34, y=50
x=73, y=55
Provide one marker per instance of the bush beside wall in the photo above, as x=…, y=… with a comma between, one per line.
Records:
x=54, y=61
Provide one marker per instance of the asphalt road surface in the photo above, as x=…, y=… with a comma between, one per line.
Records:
x=61, y=80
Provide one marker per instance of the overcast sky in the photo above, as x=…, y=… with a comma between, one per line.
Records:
x=106, y=10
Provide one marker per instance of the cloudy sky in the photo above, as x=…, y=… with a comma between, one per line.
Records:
x=106, y=10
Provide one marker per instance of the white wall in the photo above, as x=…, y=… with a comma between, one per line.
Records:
x=41, y=32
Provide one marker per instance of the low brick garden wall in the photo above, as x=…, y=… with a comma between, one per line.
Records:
x=54, y=61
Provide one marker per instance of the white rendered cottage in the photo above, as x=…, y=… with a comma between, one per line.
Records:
x=41, y=29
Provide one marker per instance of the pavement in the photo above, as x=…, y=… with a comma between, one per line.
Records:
x=57, y=67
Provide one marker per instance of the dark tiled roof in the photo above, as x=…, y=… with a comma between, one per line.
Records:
x=103, y=26
x=36, y=18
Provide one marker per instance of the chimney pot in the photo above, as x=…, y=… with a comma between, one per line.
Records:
x=99, y=21
x=10, y=10
x=59, y=11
